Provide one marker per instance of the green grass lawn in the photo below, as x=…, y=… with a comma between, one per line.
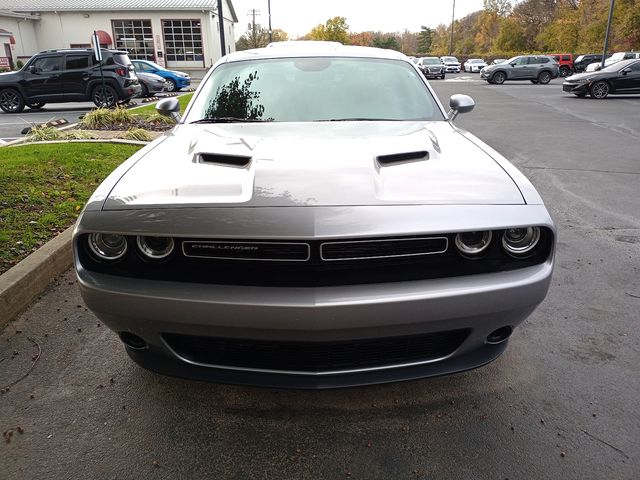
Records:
x=44, y=187
x=183, y=100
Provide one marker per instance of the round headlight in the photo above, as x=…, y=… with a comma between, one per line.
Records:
x=520, y=241
x=473, y=243
x=156, y=248
x=108, y=246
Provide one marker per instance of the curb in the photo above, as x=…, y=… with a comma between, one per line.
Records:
x=22, y=283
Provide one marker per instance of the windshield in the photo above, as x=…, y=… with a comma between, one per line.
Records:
x=431, y=61
x=450, y=59
x=315, y=89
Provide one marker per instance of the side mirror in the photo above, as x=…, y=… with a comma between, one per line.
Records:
x=169, y=107
x=32, y=69
x=460, y=104
x=625, y=71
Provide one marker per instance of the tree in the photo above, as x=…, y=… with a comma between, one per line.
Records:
x=511, y=37
x=258, y=37
x=389, y=42
x=335, y=29
x=236, y=99
x=502, y=8
x=425, y=39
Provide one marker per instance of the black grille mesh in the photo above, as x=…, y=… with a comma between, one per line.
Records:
x=316, y=357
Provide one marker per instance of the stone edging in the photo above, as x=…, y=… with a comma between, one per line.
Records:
x=22, y=283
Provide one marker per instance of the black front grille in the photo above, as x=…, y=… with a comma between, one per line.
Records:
x=367, y=249
x=314, y=357
x=328, y=263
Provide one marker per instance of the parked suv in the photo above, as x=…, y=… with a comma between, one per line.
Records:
x=70, y=75
x=582, y=61
x=537, y=68
x=451, y=64
x=431, y=67
x=565, y=61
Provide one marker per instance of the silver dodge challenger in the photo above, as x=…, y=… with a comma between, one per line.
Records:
x=314, y=220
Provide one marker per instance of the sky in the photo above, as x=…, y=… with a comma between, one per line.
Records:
x=297, y=17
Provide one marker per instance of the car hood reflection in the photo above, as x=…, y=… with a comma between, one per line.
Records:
x=314, y=164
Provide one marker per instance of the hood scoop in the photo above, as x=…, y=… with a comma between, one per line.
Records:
x=402, y=157
x=223, y=159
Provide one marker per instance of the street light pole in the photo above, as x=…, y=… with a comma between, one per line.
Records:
x=221, y=25
x=453, y=16
x=270, y=31
x=606, y=37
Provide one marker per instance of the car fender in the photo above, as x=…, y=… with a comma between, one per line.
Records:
x=16, y=86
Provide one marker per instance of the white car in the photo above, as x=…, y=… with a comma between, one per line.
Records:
x=451, y=64
x=474, y=65
x=615, y=58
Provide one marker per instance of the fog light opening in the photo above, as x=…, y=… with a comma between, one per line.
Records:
x=500, y=335
x=133, y=341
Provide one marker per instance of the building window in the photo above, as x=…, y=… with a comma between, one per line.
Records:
x=182, y=40
x=134, y=36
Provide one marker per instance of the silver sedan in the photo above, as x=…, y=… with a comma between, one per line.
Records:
x=315, y=220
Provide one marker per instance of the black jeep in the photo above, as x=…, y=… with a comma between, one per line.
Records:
x=69, y=75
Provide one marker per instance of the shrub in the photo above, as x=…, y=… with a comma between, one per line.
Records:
x=139, y=134
x=121, y=115
x=41, y=133
x=96, y=119
x=19, y=64
x=77, y=135
x=158, y=119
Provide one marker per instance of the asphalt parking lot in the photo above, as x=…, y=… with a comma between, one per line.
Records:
x=560, y=403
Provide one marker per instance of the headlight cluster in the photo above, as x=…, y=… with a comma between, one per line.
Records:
x=517, y=242
x=111, y=246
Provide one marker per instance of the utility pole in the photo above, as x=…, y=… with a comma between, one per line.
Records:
x=221, y=25
x=270, y=31
x=254, y=40
x=453, y=16
x=606, y=37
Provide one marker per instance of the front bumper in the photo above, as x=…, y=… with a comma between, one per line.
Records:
x=183, y=82
x=452, y=68
x=479, y=303
x=577, y=88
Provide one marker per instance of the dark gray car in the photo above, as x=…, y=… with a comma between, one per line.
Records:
x=536, y=68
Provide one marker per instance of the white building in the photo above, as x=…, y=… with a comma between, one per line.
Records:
x=174, y=33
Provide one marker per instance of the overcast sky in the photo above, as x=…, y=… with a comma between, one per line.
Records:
x=297, y=17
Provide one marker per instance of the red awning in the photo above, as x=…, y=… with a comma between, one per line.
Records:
x=104, y=38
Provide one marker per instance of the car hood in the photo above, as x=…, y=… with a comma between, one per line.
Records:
x=313, y=164
x=586, y=75
x=9, y=76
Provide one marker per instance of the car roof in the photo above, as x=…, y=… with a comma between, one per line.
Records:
x=314, y=49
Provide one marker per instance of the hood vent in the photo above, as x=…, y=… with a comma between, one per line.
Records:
x=402, y=157
x=220, y=159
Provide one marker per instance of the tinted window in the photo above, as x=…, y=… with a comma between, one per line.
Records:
x=544, y=60
x=521, y=61
x=635, y=67
x=316, y=89
x=566, y=58
x=48, y=64
x=77, y=61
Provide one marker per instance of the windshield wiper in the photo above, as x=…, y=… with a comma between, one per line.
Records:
x=228, y=120
x=359, y=119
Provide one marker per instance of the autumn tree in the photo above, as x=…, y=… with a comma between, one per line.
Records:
x=258, y=37
x=335, y=29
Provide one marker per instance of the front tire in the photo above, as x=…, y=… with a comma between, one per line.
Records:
x=144, y=93
x=498, y=78
x=104, y=98
x=599, y=90
x=544, y=78
x=171, y=85
x=11, y=101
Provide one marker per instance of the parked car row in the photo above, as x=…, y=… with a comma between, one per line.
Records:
x=74, y=75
